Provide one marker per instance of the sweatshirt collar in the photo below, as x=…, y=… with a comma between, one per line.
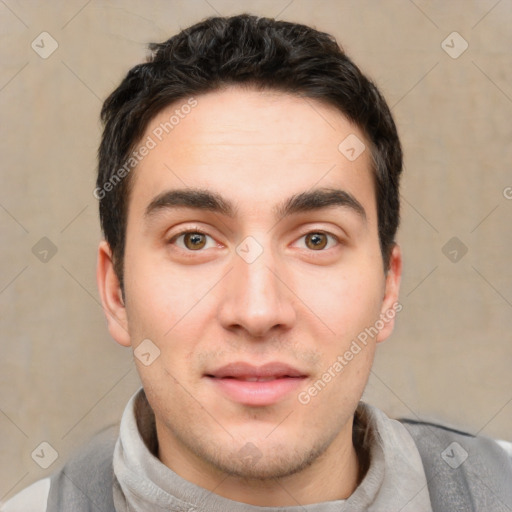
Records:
x=395, y=479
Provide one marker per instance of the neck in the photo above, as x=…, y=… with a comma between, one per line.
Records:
x=333, y=475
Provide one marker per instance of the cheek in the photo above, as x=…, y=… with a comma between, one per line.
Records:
x=341, y=384
x=164, y=305
x=345, y=302
x=162, y=298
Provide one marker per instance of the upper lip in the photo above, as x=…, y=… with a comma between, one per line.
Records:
x=243, y=370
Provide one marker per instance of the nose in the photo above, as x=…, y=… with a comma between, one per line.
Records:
x=256, y=297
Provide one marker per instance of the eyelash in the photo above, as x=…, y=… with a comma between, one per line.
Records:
x=201, y=232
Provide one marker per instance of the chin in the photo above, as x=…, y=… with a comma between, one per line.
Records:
x=263, y=460
x=261, y=468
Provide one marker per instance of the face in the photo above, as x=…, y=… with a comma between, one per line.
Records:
x=253, y=293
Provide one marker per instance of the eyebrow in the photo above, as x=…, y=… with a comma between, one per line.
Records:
x=204, y=199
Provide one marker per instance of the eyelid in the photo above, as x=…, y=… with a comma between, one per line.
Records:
x=336, y=238
x=187, y=230
x=196, y=229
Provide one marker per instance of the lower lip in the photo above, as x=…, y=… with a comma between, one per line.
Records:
x=258, y=393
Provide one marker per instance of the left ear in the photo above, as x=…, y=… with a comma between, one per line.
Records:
x=111, y=296
x=390, y=305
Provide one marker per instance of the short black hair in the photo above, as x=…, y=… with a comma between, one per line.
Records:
x=249, y=51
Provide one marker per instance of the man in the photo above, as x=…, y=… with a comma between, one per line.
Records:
x=249, y=197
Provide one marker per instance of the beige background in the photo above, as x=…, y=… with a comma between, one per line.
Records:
x=62, y=377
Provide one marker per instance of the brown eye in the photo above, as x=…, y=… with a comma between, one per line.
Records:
x=316, y=241
x=194, y=241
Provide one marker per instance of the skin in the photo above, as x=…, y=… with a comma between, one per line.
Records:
x=294, y=304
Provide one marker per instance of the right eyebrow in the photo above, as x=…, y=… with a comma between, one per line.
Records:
x=201, y=199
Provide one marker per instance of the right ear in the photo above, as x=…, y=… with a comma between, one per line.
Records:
x=111, y=296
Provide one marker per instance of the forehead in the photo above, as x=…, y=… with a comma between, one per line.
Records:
x=258, y=145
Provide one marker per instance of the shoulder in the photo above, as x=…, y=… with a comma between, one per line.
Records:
x=34, y=498
x=86, y=473
x=460, y=467
x=87, y=478
x=457, y=444
x=425, y=433
x=507, y=446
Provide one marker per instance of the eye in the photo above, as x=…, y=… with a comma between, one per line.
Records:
x=192, y=240
x=318, y=240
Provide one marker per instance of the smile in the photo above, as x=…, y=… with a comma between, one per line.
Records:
x=256, y=386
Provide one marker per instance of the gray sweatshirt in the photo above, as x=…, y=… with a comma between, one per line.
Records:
x=119, y=471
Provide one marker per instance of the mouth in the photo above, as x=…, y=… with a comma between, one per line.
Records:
x=256, y=385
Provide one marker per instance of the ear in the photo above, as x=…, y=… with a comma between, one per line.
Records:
x=111, y=296
x=390, y=305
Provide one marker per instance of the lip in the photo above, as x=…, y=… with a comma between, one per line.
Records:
x=256, y=385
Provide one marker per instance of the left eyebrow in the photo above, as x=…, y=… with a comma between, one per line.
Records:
x=204, y=199
x=317, y=199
